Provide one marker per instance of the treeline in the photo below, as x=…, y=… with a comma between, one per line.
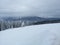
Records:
x=47, y=22
x=13, y=24
x=7, y=24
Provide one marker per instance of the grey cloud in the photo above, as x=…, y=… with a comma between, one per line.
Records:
x=42, y=8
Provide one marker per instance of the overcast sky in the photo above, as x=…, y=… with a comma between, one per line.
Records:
x=42, y=8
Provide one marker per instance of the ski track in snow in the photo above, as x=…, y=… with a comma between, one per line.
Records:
x=48, y=34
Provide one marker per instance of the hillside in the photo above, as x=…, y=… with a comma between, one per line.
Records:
x=47, y=34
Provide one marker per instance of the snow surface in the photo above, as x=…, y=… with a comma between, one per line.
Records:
x=48, y=34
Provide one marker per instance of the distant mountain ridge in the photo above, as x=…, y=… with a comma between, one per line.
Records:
x=28, y=18
x=31, y=18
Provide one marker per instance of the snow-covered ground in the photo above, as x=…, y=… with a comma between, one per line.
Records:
x=47, y=34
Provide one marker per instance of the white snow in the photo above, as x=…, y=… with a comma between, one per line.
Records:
x=47, y=34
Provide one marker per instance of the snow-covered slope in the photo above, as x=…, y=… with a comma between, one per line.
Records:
x=48, y=34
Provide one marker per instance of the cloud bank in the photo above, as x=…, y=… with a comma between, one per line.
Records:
x=42, y=8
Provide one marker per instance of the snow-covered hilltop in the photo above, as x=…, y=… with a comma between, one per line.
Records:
x=47, y=34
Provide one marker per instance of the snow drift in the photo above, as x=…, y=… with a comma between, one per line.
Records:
x=48, y=34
